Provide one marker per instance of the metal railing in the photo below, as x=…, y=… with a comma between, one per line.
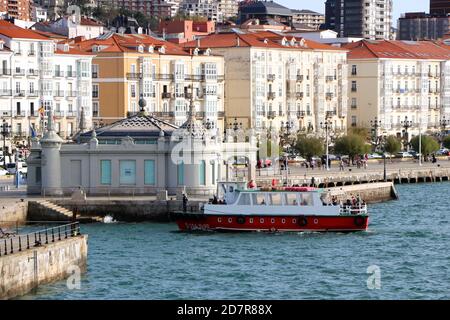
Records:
x=358, y=209
x=13, y=243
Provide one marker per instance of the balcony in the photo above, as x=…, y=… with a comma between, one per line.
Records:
x=165, y=77
x=280, y=113
x=71, y=94
x=299, y=95
x=167, y=114
x=270, y=77
x=71, y=114
x=59, y=93
x=94, y=75
x=59, y=114
x=31, y=53
x=33, y=72
x=179, y=95
x=271, y=95
x=221, y=114
x=166, y=95
x=329, y=95
x=354, y=89
x=200, y=114
x=71, y=74
x=33, y=93
x=5, y=93
x=5, y=72
x=329, y=78
x=19, y=93
x=301, y=114
x=194, y=77
x=134, y=76
x=18, y=53
x=271, y=114
x=19, y=72
x=34, y=114
x=59, y=74
x=20, y=114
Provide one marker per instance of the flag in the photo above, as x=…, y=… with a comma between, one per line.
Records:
x=32, y=132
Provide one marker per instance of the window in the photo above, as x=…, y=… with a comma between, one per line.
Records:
x=259, y=199
x=95, y=71
x=275, y=199
x=127, y=169
x=210, y=71
x=95, y=112
x=202, y=173
x=213, y=173
x=353, y=86
x=32, y=108
x=133, y=90
x=95, y=91
x=291, y=199
x=105, y=172
x=354, y=70
x=306, y=199
x=180, y=173
x=353, y=121
x=149, y=172
x=38, y=174
x=354, y=103
x=244, y=199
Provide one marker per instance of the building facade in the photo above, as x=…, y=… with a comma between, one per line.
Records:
x=276, y=80
x=17, y=9
x=139, y=155
x=307, y=18
x=265, y=11
x=127, y=67
x=152, y=8
x=369, y=19
x=418, y=26
x=39, y=75
x=72, y=26
x=398, y=83
x=439, y=7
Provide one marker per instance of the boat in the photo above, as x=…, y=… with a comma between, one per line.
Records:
x=278, y=209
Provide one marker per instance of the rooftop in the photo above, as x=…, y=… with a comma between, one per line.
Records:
x=14, y=32
x=266, y=7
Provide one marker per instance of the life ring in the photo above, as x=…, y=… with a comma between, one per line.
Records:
x=302, y=221
x=316, y=221
x=359, y=221
x=240, y=220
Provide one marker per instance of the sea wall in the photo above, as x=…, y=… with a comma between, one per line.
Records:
x=23, y=271
x=12, y=212
x=369, y=192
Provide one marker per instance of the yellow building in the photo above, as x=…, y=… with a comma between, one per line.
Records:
x=402, y=85
x=127, y=67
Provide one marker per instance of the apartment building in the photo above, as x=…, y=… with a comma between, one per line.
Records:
x=421, y=26
x=154, y=8
x=439, y=7
x=307, y=18
x=127, y=67
x=38, y=73
x=274, y=79
x=72, y=26
x=17, y=9
x=398, y=82
x=369, y=19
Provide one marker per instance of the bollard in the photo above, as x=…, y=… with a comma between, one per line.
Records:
x=12, y=246
x=28, y=241
x=20, y=243
x=6, y=248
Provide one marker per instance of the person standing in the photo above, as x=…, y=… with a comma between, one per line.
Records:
x=185, y=202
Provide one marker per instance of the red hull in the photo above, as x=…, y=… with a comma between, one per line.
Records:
x=273, y=223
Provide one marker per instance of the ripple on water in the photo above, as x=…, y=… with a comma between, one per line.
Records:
x=408, y=240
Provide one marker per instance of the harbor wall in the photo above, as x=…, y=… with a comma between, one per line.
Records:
x=12, y=212
x=23, y=271
x=370, y=192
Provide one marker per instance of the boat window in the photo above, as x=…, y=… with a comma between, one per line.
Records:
x=306, y=199
x=291, y=199
x=275, y=199
x=244, y=199
x=259, y=199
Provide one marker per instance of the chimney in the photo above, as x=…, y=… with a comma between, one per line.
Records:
x=198, y=43
x=238, y=41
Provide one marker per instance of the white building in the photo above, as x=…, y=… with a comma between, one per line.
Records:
x=73, y=26
x=36, y=72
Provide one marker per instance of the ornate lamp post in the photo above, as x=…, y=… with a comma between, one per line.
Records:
x=235, y=125
x=5, y=131
x=406, y=125
x=327, y=126
x=443, y=124
x=375, y=124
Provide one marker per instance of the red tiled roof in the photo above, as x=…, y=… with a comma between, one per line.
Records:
x=12, y=31
x=89, y=22
x=129, y=42
x=388, y=49
x=260, y=39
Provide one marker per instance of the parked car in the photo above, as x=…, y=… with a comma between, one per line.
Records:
x=442, y=152
x=11, y=167
x=293, y=158
x=403, y=154
x=3, y=172
x=375, y=156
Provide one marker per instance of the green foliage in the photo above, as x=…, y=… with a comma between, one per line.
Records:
x=362, y=132
x=392, y=145
x=309, y=147
x=429, y=144
x=351, y=145
x=447, y=142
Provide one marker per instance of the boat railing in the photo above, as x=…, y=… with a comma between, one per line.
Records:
x=347, y=210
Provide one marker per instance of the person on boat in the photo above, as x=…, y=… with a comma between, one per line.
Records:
x=251, y=184
x=215, y=200
x=185, y=202
x=263, y=202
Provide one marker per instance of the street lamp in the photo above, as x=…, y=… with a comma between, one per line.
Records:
x=383, y=140
x=443, y=124
x=6, y=130
x=327, y=125
x=406, y=125
x=209, y=124
x=375, y=124
x=235, y=126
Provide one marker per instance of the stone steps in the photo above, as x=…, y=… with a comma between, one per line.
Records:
x=66, y=213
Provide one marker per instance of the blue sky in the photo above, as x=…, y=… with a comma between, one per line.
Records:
x=400, y=6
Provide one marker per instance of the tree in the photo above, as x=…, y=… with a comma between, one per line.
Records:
x=309, y=147
x=429, y=144
x=351, y=145
x=392, y=145
x=446, y=142
x=363, y=132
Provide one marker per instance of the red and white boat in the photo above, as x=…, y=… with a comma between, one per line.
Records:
x=289, y=209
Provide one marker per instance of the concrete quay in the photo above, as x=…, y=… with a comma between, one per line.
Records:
x=27, y=261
